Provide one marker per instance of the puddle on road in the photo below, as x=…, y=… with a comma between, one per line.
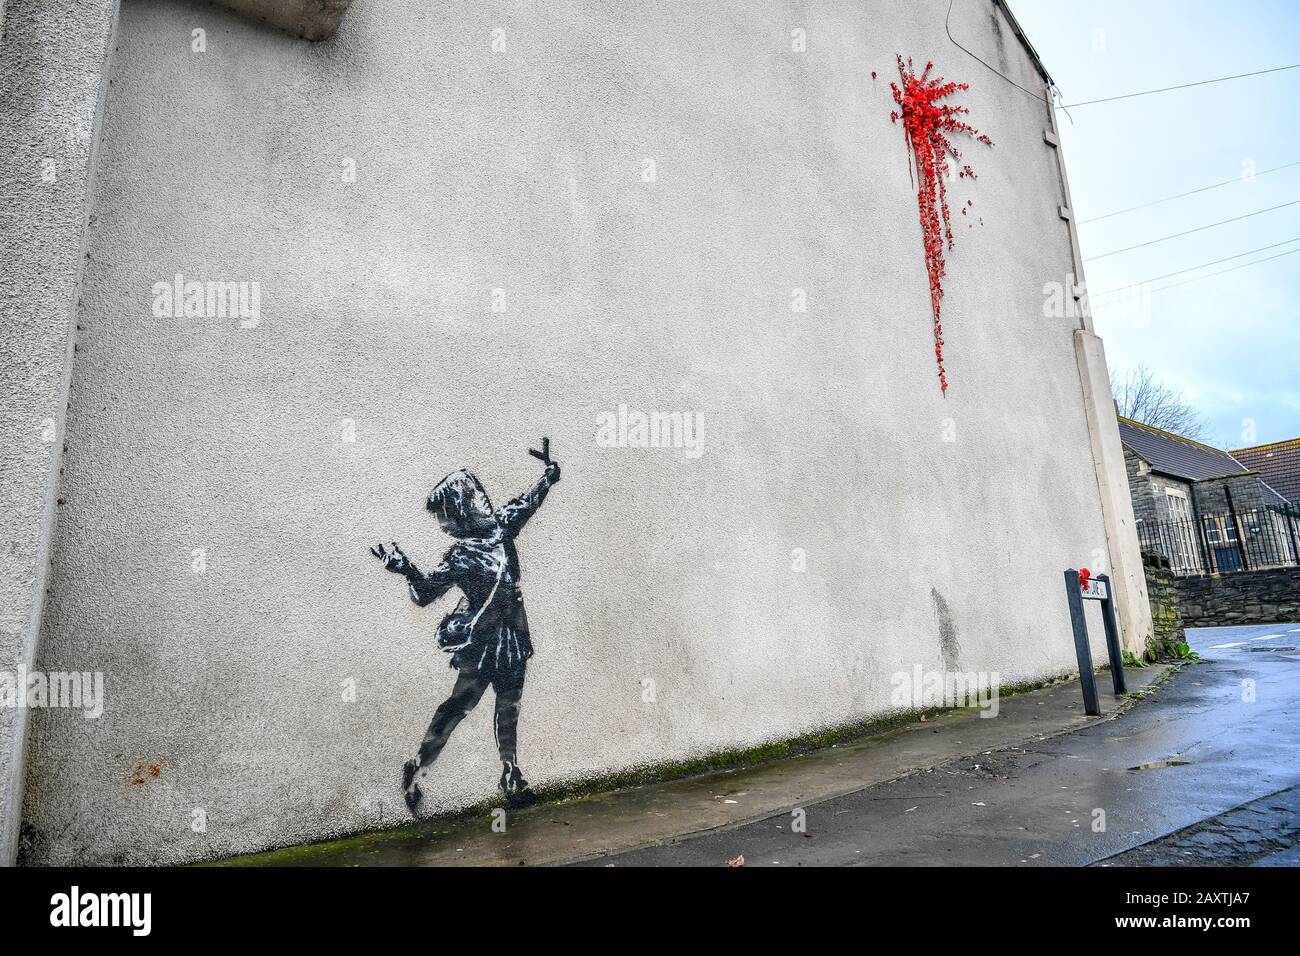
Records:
x=1158, y=764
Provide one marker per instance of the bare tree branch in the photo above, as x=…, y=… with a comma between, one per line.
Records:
x=1141, y=396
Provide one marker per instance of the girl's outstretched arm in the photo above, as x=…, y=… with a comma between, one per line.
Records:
x=516, y=513
x=427, y=587
x=424, y=588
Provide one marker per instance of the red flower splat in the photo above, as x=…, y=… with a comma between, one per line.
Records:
x=1084, y=577
x=926, y=124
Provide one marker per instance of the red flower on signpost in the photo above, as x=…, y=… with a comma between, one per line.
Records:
x=926, y=124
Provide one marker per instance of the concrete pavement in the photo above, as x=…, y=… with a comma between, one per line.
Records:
x=602, y=823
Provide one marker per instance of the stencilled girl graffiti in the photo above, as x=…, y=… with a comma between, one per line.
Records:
x=487, y=634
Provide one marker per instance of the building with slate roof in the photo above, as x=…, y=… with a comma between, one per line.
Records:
x=1196, y=504
x=1278, y=464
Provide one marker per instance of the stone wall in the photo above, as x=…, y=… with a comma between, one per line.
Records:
x=1248, y=493
x=1163, y=590
x=1249, y=597
x=1161, y=485
x=1139, y=484
x=1149, y=490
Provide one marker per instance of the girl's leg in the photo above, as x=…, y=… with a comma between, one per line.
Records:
x=509, y=692
x=464, y=695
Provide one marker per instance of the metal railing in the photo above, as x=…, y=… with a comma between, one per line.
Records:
x=1223, y=542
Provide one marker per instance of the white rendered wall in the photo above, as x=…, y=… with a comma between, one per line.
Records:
x=522, y=171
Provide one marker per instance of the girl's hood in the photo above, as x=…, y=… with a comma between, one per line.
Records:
x=461, y=504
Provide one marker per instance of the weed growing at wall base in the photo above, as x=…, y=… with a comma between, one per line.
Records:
x=67, y=690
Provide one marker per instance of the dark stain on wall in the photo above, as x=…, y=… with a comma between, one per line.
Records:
x=995, y=16
x=949, y=646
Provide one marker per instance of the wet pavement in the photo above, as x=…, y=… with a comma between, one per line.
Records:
x=1200, y=773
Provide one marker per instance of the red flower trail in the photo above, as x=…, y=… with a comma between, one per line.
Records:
x=926, y=124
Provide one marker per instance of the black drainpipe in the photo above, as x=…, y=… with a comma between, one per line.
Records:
x=1200, y=531
x=1290, y=526
x=1241, y=532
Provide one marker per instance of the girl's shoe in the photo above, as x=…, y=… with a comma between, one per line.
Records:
x=411, y=789
x=515, y=787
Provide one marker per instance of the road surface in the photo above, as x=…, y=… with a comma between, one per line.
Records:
x=1202, y=772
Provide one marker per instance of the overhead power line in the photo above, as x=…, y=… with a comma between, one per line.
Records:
x=1223, y=222
x=1190, y=192
x=1181, y=86
x=1244, y=265
x=1041, y=97
x=1203, y=265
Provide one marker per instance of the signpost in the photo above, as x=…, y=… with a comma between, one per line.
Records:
x=1096, y=589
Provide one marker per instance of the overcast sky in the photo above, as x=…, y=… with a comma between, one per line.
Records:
x=1231, y=342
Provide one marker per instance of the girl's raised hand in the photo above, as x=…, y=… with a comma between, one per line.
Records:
x=394, y=560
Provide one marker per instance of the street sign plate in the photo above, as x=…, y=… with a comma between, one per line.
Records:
x=1095, y=591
